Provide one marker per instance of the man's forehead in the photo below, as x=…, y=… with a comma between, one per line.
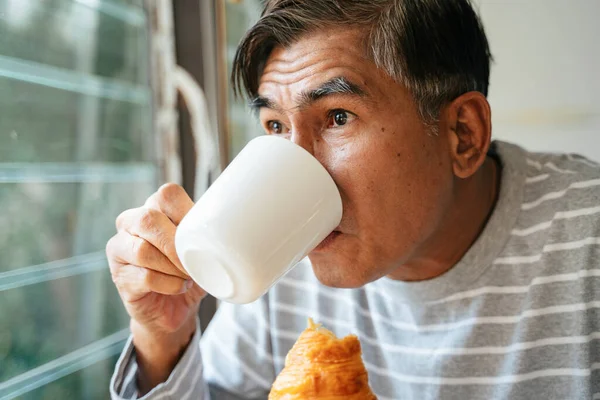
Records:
x=330, y=48
x=311, y=63
x=322, y=37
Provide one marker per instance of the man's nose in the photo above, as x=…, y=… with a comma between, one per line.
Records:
x=303, y=139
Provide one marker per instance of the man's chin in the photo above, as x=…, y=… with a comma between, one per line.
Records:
x=336, y=274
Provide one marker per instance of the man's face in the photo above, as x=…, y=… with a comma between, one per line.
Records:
x=395, y=178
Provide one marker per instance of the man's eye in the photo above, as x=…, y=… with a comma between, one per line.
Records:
x=276, y=127
x=339, y=118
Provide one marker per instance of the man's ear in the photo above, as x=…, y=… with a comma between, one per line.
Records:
x=469, y=128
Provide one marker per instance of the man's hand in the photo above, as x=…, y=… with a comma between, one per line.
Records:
x=160, y=297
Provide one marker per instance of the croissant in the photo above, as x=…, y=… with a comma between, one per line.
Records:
x=321, y=366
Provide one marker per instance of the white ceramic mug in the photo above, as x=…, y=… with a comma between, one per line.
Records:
x=272, y=206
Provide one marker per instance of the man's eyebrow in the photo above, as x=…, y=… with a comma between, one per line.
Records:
x=336, y=86
x=261, y=102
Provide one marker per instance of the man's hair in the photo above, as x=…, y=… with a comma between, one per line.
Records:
x=436, y=48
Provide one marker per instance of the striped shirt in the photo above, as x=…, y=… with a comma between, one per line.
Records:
x=517, y=318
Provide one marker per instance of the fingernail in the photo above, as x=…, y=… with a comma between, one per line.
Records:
x=188, y=284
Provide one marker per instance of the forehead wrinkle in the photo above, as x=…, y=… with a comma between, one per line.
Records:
x=284, y=73
x=285, y=67
x=278, y=75
x=296, y=56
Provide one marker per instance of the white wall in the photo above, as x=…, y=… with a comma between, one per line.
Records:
x=545, y=82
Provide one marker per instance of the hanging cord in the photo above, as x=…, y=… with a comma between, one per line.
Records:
x=207, y=151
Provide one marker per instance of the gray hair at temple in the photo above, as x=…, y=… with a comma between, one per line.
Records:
x=436, y=48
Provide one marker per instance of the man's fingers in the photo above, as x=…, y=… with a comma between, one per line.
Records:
x=124, y=248
x=155, y=224
x=171, y=200
x=136, y=282
x=154, y=227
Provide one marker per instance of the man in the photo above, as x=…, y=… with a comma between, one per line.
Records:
x=468, y=269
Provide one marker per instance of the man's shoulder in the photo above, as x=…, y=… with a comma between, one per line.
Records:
x=560, y=182
x=560, y=207
x=561, y=164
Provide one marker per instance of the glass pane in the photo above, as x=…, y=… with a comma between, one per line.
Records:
x=54, y=221
x=110, y=40
x=243, y=126
x=89, y=384
x=46, y=124
x=77, y=148
x=42, y=322
x=133, y=3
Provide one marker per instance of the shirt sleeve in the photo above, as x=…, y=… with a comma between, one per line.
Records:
x=232, y=361
x=185, y=382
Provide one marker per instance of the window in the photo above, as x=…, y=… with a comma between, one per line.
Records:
x=243, y=126
x=76, y=148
